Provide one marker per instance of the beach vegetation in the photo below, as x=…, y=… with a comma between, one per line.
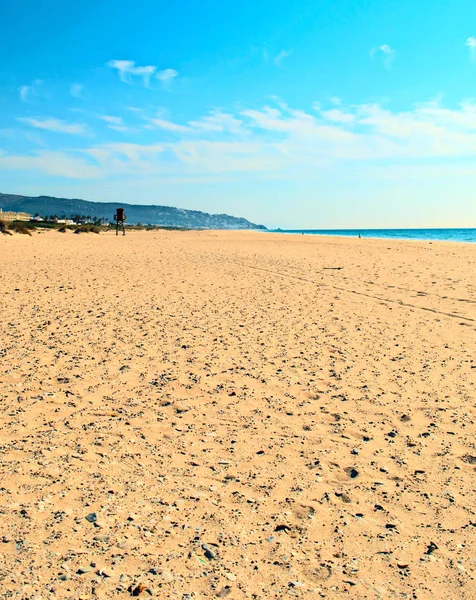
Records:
x=87, y=228
x=3, y=228
x=21, y=227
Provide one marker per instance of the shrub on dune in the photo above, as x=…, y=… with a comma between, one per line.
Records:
x=3, y=228
x=87, y=229
x=20, y=227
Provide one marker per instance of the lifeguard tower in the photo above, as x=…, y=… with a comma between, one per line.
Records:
x=120, y=218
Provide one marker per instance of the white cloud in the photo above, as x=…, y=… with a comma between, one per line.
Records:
x=169, y=126
x=76, y=90
x=471, y=45
x=116, y=123
x=122, y=128
x=386, y=54
x=24, y=92
x=281, y=56
x=334, y=114
x=127, y=70
x=218, y=121
x=28, y=92
x=273, y=142
x=58, y=164
x=56, y=125
x=385, y=48
x=111, y=120
x=167, y=75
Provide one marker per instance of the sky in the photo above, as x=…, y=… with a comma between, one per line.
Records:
x=303, y=114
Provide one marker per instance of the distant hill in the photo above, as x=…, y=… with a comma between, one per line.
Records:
x=150, y=214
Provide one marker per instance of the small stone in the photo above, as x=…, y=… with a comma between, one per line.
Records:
x=224, y=592
x=85, y=569
x=136, y=590
x=230, y=576
x=296, y=584
x=106, y=573
x=270, y=539
x=352, y=473
x=63, y=577
x=101, y=538
x=354, y=451
x=92, y=517
x=124, y=545
x=209, y=552
x=431, y=548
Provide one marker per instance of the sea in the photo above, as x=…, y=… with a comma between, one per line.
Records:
x=446, y=235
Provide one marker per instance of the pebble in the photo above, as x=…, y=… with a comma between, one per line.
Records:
x=354, y=451
x=431, y=548
x=106, y=573
x=224, y=592
x=85, y=569
x=101, y=538
x=92, y=517
x=209, y=552
x=230, y=576
x=296, y=584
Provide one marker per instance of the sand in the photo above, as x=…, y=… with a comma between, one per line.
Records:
x=242, y=415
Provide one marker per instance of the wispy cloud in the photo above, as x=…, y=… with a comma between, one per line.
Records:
x=128, y=70
x=218, y=121
x=58, y=164
x=116, y=123
x=471, y=45
x=281, y=56
x=76, y=90
x=169, y=125
x=273, y=141
x=386, y=54
x=111, y=120
x=56, y=125
x=167, y=75
x=28, y=92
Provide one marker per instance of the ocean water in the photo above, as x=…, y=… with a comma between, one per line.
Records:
x=449, y=235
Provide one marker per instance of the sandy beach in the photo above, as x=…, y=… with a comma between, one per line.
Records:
x=236, y=414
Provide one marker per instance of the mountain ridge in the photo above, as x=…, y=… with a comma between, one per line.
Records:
x=136, y=213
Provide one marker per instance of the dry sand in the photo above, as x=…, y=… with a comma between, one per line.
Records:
x=236, y=417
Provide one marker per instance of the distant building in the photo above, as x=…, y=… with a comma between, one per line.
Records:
x=10, y=216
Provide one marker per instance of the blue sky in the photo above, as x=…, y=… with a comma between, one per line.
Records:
x=293, y=114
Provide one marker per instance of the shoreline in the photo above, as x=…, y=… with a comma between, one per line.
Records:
x=355, y=234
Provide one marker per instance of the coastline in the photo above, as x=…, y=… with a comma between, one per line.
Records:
x=460, y=235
